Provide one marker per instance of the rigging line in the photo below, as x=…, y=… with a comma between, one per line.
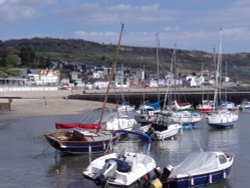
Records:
x=41, y=152
x=196, y=140
x=113, y=70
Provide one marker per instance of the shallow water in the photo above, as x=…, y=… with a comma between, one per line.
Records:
x=28, y=161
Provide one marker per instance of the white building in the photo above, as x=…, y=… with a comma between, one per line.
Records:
x=153, y=83
x=33, y=77
x=100, y=84
x=48, y=76
x=192, y=80
x=124, y=83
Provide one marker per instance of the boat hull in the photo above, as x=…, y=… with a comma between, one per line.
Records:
x=172, y=131
x=198, y=180
x=80, y=147
x=138, y=163
x=222, y=120
x=221, y=125
x=186, y=117
x=205, y=110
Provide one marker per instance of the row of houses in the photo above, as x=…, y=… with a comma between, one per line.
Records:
x=96, y=77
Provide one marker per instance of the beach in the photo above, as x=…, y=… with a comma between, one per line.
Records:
x=34, y=104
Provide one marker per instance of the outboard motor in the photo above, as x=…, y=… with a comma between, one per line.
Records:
x=166, y=172
x=107, y=171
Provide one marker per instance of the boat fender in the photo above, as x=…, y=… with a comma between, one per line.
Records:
x=192, y=181
x=224, y=175
x=156, y=183
x=210, y=178
x=166, y=172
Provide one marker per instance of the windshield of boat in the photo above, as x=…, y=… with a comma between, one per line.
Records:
x=222, y=159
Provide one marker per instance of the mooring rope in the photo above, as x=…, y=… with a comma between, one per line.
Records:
x=195, y=138
x=41, y=152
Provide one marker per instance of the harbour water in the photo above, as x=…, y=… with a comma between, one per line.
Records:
x=28, y=161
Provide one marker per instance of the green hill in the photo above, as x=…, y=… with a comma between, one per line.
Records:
x=77, y=50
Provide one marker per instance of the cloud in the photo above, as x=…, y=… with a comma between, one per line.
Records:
x=185, y=39
x=82, y=34
x=14, y=10
x=104, y=14
x=175, y=28
x=184, y=24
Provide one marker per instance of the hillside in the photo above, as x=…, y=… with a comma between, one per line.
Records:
x=73, y=50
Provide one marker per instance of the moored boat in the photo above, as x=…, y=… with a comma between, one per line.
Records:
x=163, y=127
x=186, y=118
x=122, y=169
x=245, y=105
x=78, y=140
x=182, y=106
x=222, y=119
x=198, y=169
x=205, y=107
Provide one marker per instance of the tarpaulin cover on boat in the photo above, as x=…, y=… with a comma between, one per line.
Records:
x=60, y=125
x=197, y=162
x=155, y=105
x=122, y=166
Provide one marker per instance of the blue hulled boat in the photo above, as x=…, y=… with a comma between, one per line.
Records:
x=81, y=138
x=198, y=169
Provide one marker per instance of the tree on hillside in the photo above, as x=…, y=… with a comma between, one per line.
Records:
x=28, y=57
x=44, y=62
x=12, y=60
x=3, y=54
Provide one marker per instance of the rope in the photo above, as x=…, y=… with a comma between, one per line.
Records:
x=41, y=152
x=195, y=137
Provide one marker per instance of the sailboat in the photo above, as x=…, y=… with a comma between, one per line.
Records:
x=145, y=112
x=124, y=105
x=77, y=138
x=220, y=118
x=181, y=114
x=206, y=106
x=162, y=127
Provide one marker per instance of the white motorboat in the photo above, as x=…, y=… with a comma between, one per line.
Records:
x=121, y=169
x=163, y=127
x=245, y=105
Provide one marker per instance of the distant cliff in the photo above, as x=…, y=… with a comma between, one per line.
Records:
x=77, y=50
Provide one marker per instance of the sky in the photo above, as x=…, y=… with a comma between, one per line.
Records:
x=190, y=24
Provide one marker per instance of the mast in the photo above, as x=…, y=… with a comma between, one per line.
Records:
x=220, y=63
x=225, y=80
x=173, y=69
x=157, y=61
x=112, y=72
x=202, y=97
x=218, y=72
x=214, y=59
